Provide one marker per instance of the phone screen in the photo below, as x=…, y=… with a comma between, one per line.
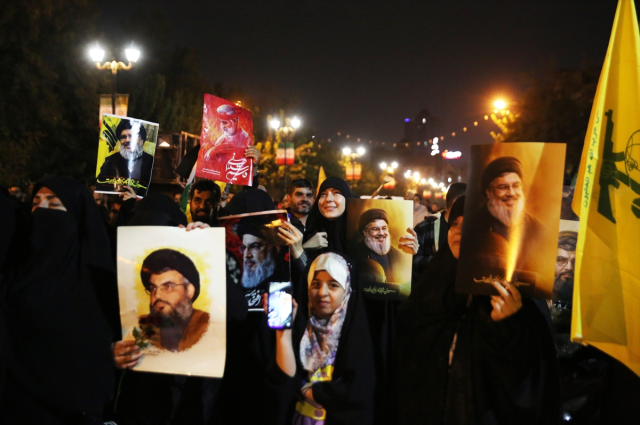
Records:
x=280, y=305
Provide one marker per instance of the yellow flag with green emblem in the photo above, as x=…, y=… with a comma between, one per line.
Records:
x=606, y=298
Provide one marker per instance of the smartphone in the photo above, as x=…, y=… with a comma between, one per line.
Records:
x=280, y=305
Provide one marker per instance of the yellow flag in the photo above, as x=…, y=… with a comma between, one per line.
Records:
x=321, y=177
x=606, y=297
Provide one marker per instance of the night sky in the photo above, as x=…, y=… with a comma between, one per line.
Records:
x=361, y=67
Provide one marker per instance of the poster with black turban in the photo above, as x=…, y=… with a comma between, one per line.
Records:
x=511, y=218
x=256, y=255
x=126, y=152
x=172, y=289
x=375, y=229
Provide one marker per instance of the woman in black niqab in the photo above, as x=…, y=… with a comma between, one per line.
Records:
x=334, y=228
x=456, y=365
x=59, y=367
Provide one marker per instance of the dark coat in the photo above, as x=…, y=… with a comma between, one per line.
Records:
x=502, y=372
x=116, y=166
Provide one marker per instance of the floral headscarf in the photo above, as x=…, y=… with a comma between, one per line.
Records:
x=319, y=343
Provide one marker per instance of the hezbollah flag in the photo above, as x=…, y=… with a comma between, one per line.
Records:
x=321, y=177
x=606, y=297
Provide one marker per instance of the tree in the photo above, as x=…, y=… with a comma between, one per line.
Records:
x=555, y=108
x=48, y=107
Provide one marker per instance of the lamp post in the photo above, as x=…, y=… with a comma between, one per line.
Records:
x=353, y=155
x=286, y=132
x=97, y=54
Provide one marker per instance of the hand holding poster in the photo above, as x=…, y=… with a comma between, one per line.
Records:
x=172, y=289
x=376, y=228
x=256, y=254
x=511, y=218
x=125, y=154
x=227, y=131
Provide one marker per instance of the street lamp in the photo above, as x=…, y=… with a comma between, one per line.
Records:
x=500, y=104
x=97, y=54
x=286, y=132
x=346, y=151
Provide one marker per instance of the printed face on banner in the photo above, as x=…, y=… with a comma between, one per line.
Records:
x=125, y=154
x=565, y=260
x=227, y=131
x=172, y=289
x=256, y=255
x=510, y=218
x=374, y=229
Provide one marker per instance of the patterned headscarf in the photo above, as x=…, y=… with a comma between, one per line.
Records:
x=319, y=343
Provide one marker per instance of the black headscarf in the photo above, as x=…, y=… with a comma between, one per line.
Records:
x=157, y=209
x=248, y=201
x=503, y=372
x=59, y=337
x=336, y=229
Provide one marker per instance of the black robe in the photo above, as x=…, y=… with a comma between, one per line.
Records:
x=58, y=316
x=349, y=397
x=502, y=372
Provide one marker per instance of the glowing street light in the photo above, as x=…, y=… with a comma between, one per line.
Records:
x=360, y=151
x=346, y=151
x=275, y=123
x=383, y=165
x=132, y=53
x=394, y=165
x=500, y=104
x=295, y=122
x=97, y=54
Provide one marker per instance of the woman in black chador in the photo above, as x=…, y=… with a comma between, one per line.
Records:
x=466, y=359
x=61, y=309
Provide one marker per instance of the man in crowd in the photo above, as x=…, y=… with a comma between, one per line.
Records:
x=420, y=212
x=18, y=192
x=132, y=162
x=173, y=284
x=204, y=197
x=435, y=208
x=432, y=233
x=565, y=263
x=301, y=195
x=376, y=244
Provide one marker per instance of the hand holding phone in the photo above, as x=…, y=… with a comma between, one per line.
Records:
x=280, y=306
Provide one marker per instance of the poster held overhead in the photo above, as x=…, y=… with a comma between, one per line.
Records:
x=172, y=290
x=511, y=218
x=374, y=231
x=125, y=154
x=227, y=131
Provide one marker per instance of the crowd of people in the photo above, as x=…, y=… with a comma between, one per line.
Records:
x=440, y=357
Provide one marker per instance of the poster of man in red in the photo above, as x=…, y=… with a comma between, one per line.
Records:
x=227, y=131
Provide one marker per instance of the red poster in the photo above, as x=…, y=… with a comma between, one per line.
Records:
x=227, y=131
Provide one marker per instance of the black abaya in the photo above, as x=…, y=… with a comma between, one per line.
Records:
x=59, y=367
x=502, y=372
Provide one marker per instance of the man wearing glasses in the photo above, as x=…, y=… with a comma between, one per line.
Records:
x=132, y=162
x=173, y=284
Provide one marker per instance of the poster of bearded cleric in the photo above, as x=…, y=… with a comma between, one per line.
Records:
x=172, y=290
x=256, y=255
x=375, y=231
x=511, y=218
x=227, y=131
x=125, y=154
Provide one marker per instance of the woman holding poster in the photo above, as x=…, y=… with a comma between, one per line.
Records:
x=327, y=356
x=473, y=359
